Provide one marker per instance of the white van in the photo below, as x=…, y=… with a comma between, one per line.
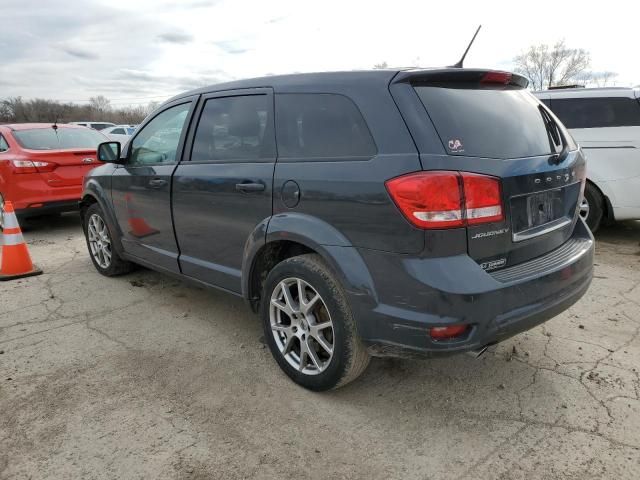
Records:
x=606, y=124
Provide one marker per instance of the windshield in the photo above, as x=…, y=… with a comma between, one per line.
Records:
x=487, y=121
x=60, y=139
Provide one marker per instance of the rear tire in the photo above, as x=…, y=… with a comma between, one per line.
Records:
x=300, y=336
x=592, y=207
x=100, y=244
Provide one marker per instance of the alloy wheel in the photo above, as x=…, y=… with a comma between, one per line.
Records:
x=584, y=208
x=99, y=241
x=301, y=326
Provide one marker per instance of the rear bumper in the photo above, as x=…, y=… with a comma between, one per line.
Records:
x=419, y=293
x=47, y=208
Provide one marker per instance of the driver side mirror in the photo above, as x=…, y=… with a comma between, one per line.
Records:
x=109, y=152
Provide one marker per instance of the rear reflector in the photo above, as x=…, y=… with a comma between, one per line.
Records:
x=443, y=199
x=503, y=78
x=447, y=333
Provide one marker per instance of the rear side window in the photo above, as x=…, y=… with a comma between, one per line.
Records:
x=597, y=112
x=4, y=146
x=234, y=129
x=118, y=131
x=321, y=126
x=60, y=138
x=488, y=121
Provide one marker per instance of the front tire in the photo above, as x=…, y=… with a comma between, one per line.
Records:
x=308, y=325
x=592, y=207
x=100, y=244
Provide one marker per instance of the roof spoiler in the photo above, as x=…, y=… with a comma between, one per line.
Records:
x=456, y=75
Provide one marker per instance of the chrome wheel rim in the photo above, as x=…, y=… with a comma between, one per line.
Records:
x=584, y=208
x=99, y=241
x=301, y=326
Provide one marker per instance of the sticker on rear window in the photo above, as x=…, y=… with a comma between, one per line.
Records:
x=455, y=145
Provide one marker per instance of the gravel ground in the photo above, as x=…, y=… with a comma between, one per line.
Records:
x=143, y=376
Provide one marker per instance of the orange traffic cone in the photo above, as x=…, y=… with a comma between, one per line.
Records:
x=138, y=226
x=16, y=261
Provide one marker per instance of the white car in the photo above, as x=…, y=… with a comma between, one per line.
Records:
x=606, y=124
x=94, y=125
x=119, y=133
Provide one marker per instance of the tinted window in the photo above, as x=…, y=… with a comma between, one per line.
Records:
x=60, y=138
x=4, y=146
x=492, y=122
x=101, y=126
x=597, y=112
x=158, y=141
x=118, y=131
x=234, y=129
x=321, y=126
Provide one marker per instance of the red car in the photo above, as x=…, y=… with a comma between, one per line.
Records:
x=42, y=165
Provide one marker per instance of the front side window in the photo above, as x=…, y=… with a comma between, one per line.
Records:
x=597, y=112
x=321, y=126
x=4, y=146
x=234, y=129
x=60, y=138
x=157, y=143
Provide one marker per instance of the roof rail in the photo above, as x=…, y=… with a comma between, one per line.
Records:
x=563, y=87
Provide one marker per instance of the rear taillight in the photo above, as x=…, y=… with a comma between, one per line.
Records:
x=28, y=166
x=483, y=202
x=443, y=199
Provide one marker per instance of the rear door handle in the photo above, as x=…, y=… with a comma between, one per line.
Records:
x=250, y=187
x=157, y=183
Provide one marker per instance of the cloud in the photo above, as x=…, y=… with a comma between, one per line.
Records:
x=232, y=47
x=175, y=37
x=79, y=53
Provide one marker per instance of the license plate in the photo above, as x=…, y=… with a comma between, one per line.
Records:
x=544, y=207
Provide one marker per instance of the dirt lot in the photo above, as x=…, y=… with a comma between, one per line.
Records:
x=146, y=377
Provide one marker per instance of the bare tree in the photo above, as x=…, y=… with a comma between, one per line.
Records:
x=551, y=65
x=100, y=104
x=603, y=79
x=17, y=110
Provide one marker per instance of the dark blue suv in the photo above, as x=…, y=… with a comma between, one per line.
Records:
x=386, y=213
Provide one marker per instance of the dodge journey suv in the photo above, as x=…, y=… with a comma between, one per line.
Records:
x=387, y=213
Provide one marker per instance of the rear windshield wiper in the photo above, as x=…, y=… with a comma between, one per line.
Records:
x=556, y=135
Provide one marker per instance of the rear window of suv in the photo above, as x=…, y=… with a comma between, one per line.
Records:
x=597, y=112
x=60, y=139
x=321, y=125
x=486, y=121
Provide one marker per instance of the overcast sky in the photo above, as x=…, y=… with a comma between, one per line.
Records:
x=135, y=51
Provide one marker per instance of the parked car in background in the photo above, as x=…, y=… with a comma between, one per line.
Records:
x=94, y=125
x=119, y=133
x=606, y=124
x=390, y=213
x=42, y=165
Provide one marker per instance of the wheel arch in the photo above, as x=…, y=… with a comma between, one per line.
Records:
x=93, y=193
x=287, y=235
x=608, y=214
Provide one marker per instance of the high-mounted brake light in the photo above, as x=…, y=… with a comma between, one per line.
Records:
x=28, y=166
x=444, y=199
x=497, y=77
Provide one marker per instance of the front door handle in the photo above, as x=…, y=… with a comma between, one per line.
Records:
x=157, y=183
x=250, y=187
